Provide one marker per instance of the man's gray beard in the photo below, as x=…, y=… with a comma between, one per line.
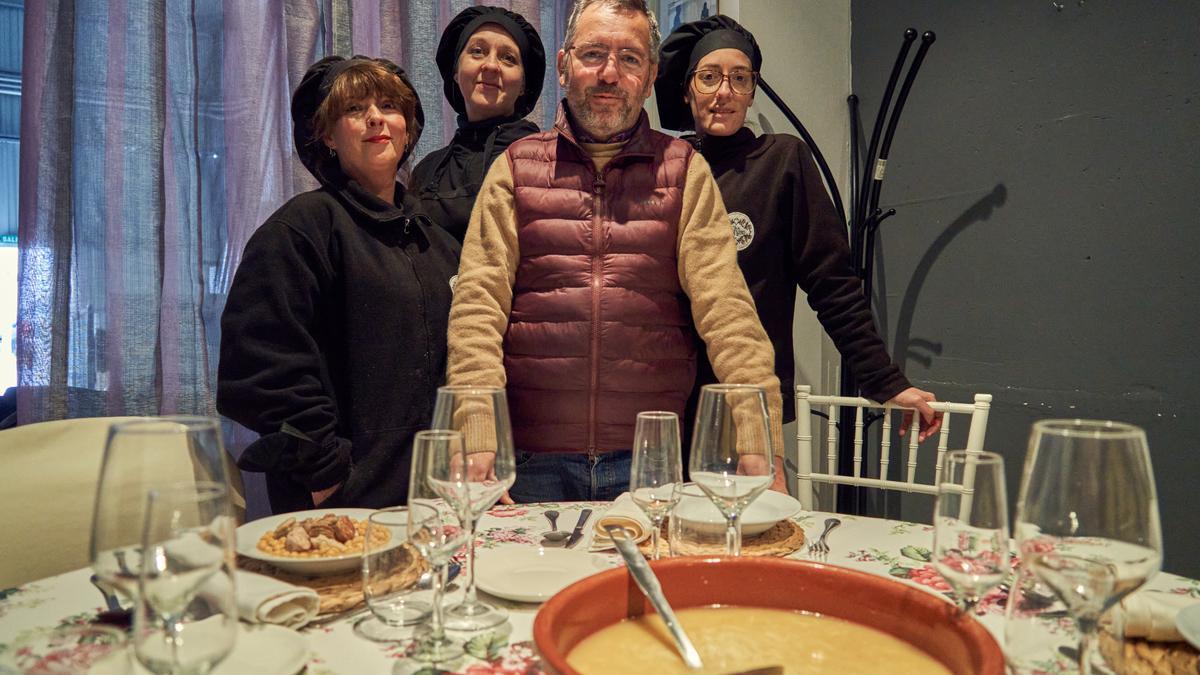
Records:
x=601, y=125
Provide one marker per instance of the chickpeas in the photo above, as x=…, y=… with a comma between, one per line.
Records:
x=273, y=545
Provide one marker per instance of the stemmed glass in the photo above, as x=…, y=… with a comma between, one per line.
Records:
x=140, y=455
x=655, y=474
x=432, y=532
x=732, y=455
x=970, y=535
x=1088, y=504
x=480, y=414
x=186, y=615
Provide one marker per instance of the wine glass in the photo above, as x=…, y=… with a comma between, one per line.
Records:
x=655, y=473
x=1088, y=496
x=480, y=414
x=389, y=555
x=140, y=455
x=434, y=534
x=732, y=455
x=970, y=535
x=186, y=615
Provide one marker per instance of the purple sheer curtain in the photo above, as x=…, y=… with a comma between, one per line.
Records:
x=155, y=138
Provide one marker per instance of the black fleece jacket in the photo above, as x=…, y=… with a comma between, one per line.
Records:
x=333, y=344
x=788, y=234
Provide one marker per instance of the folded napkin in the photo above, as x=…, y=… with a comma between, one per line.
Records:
x=624, y=512
x=1151, y=615
x=262, y=599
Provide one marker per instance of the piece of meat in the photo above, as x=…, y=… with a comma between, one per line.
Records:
x=297, y=540
x=343, y=529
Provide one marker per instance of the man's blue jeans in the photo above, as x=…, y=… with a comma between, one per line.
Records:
x=570, y=477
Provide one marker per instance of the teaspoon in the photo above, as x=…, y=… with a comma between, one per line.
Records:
x=554, y=537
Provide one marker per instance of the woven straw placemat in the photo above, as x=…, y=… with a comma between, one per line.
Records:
x=1143, y=657
x=784, y=538
x=341, y=592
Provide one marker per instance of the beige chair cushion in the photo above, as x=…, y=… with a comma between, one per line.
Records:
x=50, y=472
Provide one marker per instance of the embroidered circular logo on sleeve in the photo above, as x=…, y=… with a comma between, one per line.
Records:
x=743, y=229
x=453, y=282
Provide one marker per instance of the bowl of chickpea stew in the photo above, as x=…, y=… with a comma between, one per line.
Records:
x=312, y=543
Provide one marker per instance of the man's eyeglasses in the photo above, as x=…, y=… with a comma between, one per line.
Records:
x=740, y=81
x=595, y=56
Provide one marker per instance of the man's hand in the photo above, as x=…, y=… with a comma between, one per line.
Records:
x=756, y=465
x=931, y=420
x=481, y=466
x=321, y=495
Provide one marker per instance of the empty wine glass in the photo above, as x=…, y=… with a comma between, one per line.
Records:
x=437, y=537
x=655, y=473
x=732, y=455
x=1088, y=496
x=140, y=455
x=389, y=559
x=970, y=535
x=480, y=414
x=186, y=615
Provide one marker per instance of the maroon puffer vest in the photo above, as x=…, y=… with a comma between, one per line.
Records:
x=600, y=329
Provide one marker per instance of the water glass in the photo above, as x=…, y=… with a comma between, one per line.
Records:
x=970, y=536
x=655, y=471
x=186, y=616
x=696, y=525
x=391, y=569
x=732, y=456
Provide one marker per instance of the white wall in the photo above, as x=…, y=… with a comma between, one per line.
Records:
x=806, y=60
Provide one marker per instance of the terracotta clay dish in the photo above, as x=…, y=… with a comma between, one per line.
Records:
x=917, y=617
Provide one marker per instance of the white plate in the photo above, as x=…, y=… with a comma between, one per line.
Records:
x=769, y=508
x=249, y=534
x=1188, y=623
x=529, y=574
x=260, y=649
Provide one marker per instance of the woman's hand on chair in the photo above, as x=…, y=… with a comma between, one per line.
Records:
x=918, y=399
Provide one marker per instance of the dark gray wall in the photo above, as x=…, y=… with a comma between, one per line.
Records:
x=1045, y=174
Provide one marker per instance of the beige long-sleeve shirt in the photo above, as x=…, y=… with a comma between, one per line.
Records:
x=722, y=308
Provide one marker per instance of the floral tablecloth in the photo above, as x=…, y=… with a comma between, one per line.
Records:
x=885, y=547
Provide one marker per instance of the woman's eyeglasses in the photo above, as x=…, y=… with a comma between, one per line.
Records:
x=740, y=81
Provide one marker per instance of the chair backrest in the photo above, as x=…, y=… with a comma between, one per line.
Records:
x=50, y=471
x=832, y=406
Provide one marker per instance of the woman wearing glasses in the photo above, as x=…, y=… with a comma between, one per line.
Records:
x=492, y=64
x=784, y=224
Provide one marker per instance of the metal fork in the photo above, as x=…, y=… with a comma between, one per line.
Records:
x=819, y=547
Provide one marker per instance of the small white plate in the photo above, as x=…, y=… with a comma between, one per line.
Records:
x=769, y=508
x=260, y=649
x=532, y=574
x=249, y=534
x=1188, y=623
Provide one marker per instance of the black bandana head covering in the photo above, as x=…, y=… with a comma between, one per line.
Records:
x=680, y=53
x=312, y=92
x=460, y=29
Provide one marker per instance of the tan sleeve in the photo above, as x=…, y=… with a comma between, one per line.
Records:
x=722, y=308
x=483, y=297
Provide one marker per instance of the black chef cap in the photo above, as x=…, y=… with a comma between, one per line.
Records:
x=462, y=27
x=680, y=53
x=313, y=90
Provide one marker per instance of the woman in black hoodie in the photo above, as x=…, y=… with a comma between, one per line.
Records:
x=333, y=339
x=784, y=224
x=492, y=64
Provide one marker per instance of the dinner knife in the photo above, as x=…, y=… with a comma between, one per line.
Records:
x=577, y=533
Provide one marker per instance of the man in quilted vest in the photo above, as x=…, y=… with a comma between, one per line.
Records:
x=595, y=253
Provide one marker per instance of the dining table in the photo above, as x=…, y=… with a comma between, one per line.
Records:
x=892, y=548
